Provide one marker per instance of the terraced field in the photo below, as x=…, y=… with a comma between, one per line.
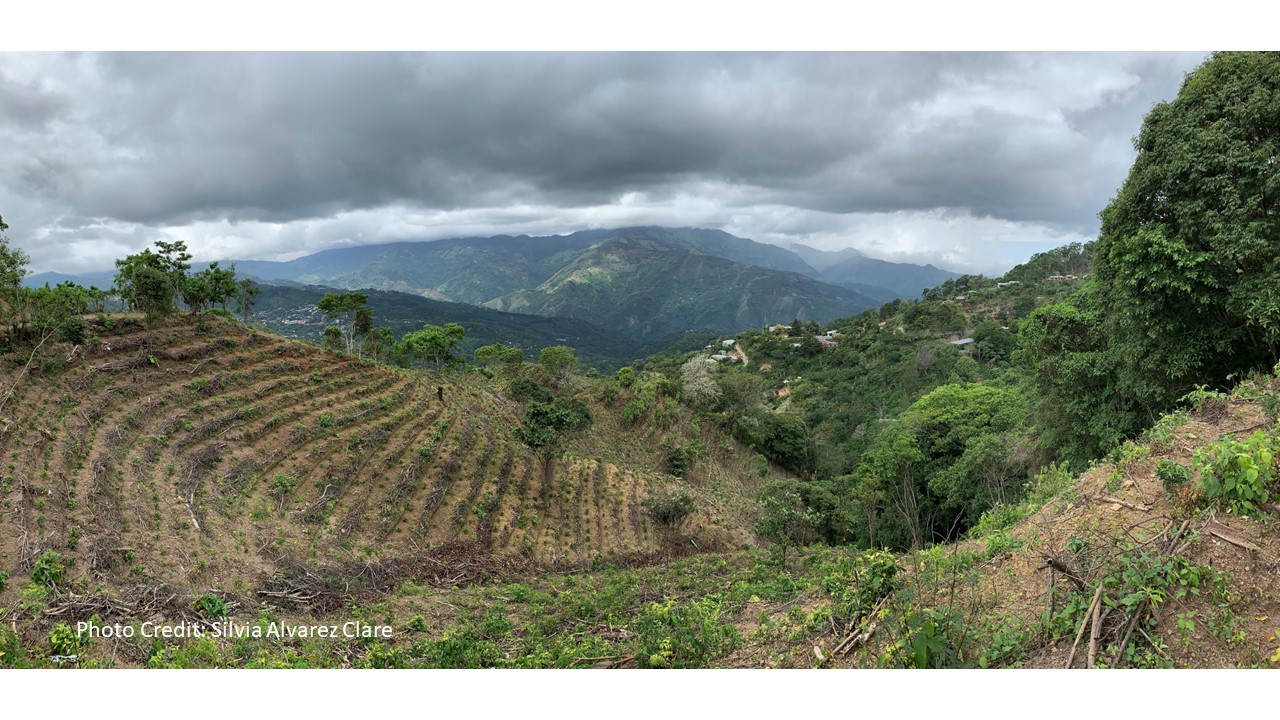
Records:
x=205, y=454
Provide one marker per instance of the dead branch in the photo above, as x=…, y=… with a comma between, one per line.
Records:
x=1097, y=598
x=1223, y=532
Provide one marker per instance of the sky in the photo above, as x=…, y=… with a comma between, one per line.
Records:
x=968, y=161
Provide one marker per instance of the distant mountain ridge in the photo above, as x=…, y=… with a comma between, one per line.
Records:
x=646, y=282
x=851, y=268
x=651, y=286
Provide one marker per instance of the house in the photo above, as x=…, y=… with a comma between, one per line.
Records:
x=727, y=343
x=962, y=344
x=824, y=341
x=779, y=328
x=1007, y=284
x=721, y=356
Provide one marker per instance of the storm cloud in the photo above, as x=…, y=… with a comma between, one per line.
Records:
x=969, y=161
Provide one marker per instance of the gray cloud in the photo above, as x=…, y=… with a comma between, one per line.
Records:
x=280, y=154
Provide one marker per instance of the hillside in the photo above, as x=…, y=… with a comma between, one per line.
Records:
x=1178, y=583
x=205, y=456
x=292, y=312
x=650, y=288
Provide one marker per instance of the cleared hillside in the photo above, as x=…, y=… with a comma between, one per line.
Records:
x=203, y=454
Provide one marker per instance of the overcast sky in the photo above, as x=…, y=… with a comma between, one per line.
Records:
x=969, y=161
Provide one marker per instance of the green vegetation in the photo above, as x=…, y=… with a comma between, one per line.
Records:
x=1183, y=291
x=1239, y=473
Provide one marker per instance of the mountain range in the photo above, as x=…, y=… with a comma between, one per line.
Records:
x=644, y=283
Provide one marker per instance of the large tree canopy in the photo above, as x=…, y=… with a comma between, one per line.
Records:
x=1186, y=286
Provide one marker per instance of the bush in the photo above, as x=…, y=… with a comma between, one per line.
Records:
x=1172, y=474
x=210, y=606
x=857, y=584
x=680, y=458
x=1238, y=473
x=668, y=508
x=682, y=635
x=283, y=485
x=525, y=390
x=48, y=569
x=63, y=640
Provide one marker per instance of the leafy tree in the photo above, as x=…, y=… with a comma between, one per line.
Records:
x=246, y=291
x=145, y=281
x=784, y=520
x=992, y=343
x=378, y=343
x=559, y=360
x=213, y=285
x=13, y=267
x=698, y=387
x=434, y=343
x=344, y=309
x=1186, y=279
x=499, y=354
x=546, y=427
x=950, y=457
x=669, y=508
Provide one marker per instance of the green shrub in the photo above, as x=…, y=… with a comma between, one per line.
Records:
x=1172, y=474
x=284, y=484
x=325, y=420
x=210, y=606
x=1238, y=473
x=682, y=634
x=63, y=640
x=857, y=584
x=48, y=569
x=668, y=508
x=626, y=376
x=680, y=458
x=525, y=390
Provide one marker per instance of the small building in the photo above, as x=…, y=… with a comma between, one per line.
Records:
x=1007, y=284
x=721, y=356
x=825, y=342
x=728, y=343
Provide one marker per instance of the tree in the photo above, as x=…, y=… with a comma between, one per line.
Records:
x=377, y=343
x=434, y=343
x=246, y=291
x=559, y=360
x=343, y=309
x=145, y=282
x=13, y=267
x=1185, y=288
x=546, y=427
x=175, y=262
x=498, y=354
x=698, y=388
x=784, y=520
x=213, y=285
